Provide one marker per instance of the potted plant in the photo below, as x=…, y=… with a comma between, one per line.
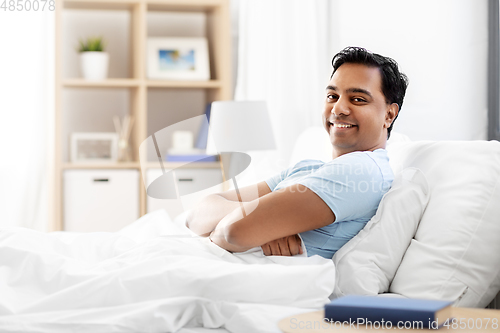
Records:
x=93, y=60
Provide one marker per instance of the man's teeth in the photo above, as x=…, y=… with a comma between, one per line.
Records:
x=342, y=125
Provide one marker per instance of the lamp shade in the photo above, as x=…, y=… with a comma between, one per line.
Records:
x=239, y=126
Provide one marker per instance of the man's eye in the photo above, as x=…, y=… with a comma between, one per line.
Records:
x=357, y=99
x=330, y=97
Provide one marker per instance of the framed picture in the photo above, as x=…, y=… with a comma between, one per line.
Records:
x=178, y=58
x=94, y=147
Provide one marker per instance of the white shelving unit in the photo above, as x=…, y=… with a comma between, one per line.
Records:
x=84, y=106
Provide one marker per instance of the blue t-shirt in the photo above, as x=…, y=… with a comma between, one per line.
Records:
x=352, y=185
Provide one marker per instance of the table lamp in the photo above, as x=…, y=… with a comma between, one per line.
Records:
x=237, y=127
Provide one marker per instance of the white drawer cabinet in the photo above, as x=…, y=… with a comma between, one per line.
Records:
x=197, y=182
x=100, y=200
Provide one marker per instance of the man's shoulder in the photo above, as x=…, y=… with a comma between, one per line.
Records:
x=307, y=164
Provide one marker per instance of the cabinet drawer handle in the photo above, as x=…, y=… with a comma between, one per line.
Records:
x=185, y=179
x=101, y=179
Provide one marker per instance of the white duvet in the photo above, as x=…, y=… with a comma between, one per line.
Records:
x=152, y=276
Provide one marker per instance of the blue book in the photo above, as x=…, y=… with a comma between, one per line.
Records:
x=201, y=140
x=192, y=158
x=388, y=312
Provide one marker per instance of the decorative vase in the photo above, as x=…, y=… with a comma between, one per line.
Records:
x=124, y=152
x=94, y=65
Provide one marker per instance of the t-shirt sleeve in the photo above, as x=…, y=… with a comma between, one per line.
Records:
x=350, y=185
x=276, y=179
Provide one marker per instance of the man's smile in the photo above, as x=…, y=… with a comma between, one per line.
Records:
x=340, y=125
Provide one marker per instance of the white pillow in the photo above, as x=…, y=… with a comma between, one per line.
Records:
x=455, y=254
x=312, y=143
x=367, y=263
x=397, y=137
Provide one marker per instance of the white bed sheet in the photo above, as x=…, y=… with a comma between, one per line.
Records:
x=152, y=276
x=202, y=330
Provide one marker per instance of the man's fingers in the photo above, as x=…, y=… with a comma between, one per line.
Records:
x=266, y=249
x=299, y=241
x=293, y=245
x=286, y=246
x=283, y=245
x=275, y=250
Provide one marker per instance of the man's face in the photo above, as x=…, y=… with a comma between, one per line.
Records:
x=356, y=114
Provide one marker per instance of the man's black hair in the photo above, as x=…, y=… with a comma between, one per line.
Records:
x=394, y=83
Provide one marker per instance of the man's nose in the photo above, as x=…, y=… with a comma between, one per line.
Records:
x=341, y=107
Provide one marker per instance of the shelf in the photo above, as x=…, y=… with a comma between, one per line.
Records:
x=185, y=6
x=133, y=83
x=175, y=165
x=108, y=83
x=100, y=4
x=183, y=84
x=137, y=165
x=153, y=5
x=124, y=165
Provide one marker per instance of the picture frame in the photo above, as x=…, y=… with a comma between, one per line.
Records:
x=94, y=147
x=175, y=58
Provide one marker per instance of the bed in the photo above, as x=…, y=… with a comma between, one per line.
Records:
x=435, y=235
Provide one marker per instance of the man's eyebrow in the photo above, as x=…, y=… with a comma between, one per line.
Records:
x=359, y=90
x=352, y=90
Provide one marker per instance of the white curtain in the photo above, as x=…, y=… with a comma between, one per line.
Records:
x=283, y=58
x=26, y=87
x=286, y=46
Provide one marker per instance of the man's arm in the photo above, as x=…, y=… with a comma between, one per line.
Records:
x=282, y=213
x=210, y=211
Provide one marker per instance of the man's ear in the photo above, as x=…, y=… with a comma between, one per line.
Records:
x=391, y=114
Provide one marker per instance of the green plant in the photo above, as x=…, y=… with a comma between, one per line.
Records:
x=91, y=44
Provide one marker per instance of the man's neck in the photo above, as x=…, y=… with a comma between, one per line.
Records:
x=338, y=152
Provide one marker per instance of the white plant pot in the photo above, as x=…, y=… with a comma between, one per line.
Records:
x=94, y=65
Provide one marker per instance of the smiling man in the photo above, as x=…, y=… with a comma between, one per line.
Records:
x=326, y=203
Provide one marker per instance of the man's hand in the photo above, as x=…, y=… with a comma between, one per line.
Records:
x=286, y=246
